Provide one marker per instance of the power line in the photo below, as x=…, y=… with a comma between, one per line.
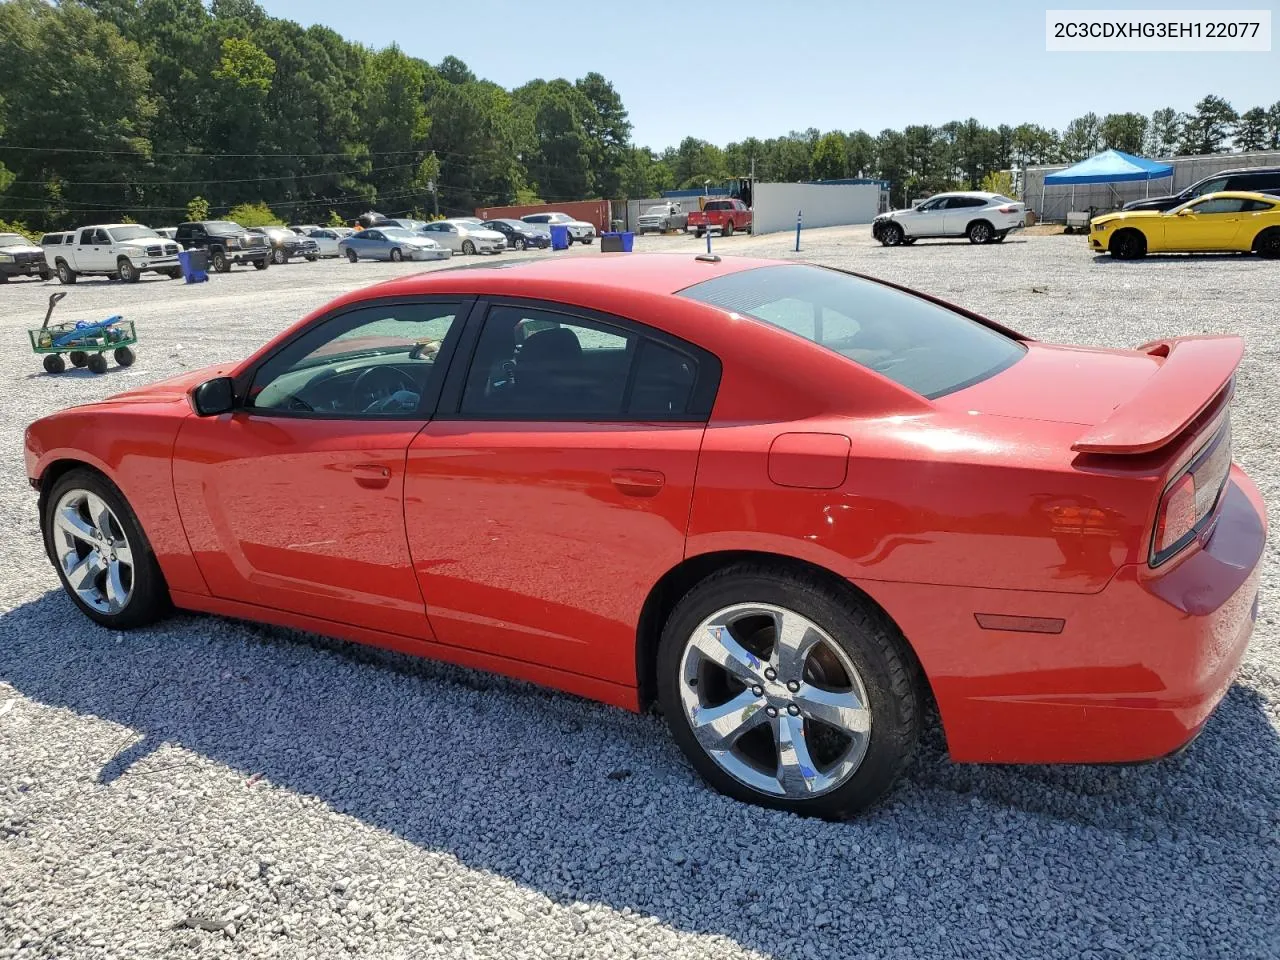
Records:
x=178, y=183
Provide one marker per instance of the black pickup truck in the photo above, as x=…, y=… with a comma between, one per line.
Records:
x=226, y=242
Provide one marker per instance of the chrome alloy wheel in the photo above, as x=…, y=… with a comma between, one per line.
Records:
x=93, y=551
x=774, y=700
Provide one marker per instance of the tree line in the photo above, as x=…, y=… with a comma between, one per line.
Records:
x=152, y=109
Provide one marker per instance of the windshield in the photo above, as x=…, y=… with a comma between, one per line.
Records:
x=133, y=233
x=223, y=226
x=920, y=345
x=13, y=240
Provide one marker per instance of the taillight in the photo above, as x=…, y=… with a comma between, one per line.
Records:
x=1191, y=497
x=1010, y=208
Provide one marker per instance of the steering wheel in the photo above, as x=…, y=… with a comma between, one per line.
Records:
x=378, y=383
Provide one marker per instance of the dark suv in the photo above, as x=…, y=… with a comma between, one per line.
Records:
x=1253, y=179
x=226, y=242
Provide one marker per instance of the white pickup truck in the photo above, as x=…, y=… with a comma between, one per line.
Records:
x=124, y=250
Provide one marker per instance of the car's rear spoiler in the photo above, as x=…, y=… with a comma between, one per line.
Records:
x=1195, y=371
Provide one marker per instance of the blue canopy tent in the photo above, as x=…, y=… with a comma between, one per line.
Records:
x=1109, y=166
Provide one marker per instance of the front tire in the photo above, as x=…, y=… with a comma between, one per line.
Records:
x=892, y=235
x=97, y=363
x=65, y=273
x=124, y=356
x=103, y=558
x=218, y=260
x=262, y=264
x=352, y=256
x=519, y=243
x=78, y=358
x=469, y=248
x=786, y=691
x=127, y=271
x=396, y=255
x=53, y=363
x=1128, y=245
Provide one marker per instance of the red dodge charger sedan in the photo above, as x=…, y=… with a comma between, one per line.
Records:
x=787, y=504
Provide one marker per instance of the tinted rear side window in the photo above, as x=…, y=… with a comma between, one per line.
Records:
x=920, y=345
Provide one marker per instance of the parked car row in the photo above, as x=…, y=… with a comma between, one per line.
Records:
x=125, y=251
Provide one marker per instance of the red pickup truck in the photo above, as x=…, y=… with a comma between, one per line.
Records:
x=725, y=215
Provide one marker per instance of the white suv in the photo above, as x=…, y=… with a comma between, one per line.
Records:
x=982, y=217
x=579, y=230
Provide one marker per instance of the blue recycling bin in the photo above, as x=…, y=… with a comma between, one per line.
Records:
x=616, y=242
x=559, y=237
x=195, y=265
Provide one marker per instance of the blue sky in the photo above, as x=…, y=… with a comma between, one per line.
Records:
x=770, y=66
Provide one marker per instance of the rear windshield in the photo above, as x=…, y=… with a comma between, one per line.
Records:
x=918, y=344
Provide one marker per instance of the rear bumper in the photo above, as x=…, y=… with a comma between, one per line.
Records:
x=1136, y=671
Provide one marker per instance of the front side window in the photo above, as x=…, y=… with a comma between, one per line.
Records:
x=1218, y=205
x=922, y=346
x=375, y=361
x=1209, y=186
x=532, y=364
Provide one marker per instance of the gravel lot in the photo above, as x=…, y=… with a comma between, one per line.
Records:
x=209, y=788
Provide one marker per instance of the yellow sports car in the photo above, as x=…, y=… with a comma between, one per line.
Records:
x=1231, y=221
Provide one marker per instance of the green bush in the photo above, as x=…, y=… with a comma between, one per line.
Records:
x=254, y=215
x=197, y=208
x=335, y=220
x=999, y=181
x=19, y=228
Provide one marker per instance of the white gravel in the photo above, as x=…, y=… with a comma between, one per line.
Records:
x=209, y=788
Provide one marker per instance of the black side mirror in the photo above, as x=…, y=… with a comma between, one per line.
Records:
x=214, y=397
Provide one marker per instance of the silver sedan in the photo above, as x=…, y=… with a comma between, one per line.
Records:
x=391, y=243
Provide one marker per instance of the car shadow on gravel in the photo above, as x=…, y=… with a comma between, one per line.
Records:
x=586, y=803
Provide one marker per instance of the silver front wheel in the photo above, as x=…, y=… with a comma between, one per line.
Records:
x=774, y=701
x=93, y=551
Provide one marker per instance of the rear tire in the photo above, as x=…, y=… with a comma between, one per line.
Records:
x=97, y=363
x=174, y=274
x=1268, y=244
x=980, y=232
x=78, y=358
x=124, y=356
x=44, y=275
x=148, y=597
x=263, y=263
x=278, y=257
x=53, y=363
x=857, y=657
x=727, y=229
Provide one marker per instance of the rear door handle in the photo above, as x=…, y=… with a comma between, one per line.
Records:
x=638, y=483
x=371, y=475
